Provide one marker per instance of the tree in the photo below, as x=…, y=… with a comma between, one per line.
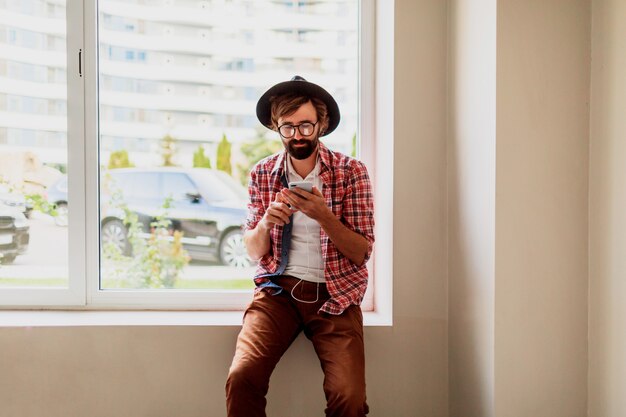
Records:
x=223, y=156
x=353, y=153
x=200, y=160
x=119, y=159
x=254, y=152
x=168, y=150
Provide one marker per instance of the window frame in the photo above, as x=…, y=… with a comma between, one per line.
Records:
x=74, y=294
x=375, y=124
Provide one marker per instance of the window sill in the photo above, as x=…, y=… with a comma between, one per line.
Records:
x=65, y=318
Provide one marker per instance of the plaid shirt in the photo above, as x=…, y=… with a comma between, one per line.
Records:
x=348, y=192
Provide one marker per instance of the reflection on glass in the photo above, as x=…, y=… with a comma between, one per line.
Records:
x=178, y=85
x=33, y=145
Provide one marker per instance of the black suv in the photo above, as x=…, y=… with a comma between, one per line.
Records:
x=14, y=236
x=207, y=206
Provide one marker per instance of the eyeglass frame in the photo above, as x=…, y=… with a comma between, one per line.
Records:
x=297, y=128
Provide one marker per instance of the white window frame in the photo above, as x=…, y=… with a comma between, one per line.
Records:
x=74, y=294
x=376, y=133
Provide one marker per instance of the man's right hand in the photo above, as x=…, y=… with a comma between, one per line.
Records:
x=276, y=214
x=257, y=240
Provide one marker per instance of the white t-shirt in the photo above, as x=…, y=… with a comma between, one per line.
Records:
x=305, y=252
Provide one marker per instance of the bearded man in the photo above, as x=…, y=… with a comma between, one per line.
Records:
x=312, y=248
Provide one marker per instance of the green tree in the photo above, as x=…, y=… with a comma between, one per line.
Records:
x=255, y=151
x=223, y=156
x=200, y=160
x=353, y=153
x=168, y=150
x=119, y=159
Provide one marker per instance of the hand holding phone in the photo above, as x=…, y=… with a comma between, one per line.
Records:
x=304, y=185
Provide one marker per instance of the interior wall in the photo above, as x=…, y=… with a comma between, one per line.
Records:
x=543, y=79
x=165, y=371
x=414, y=371
x=518, y=184
x=471, y=209
x=607, y=205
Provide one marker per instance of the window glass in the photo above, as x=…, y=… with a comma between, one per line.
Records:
x=33, y=146
x=178, y=85
x=137, y=185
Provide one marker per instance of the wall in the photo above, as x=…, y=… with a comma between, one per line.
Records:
x=607, y=205
x=543, y=77
x=518, y=183
x=471, y=212
x=415, y=380
x=166, y=371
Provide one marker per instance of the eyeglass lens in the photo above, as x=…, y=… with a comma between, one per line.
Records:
x=306, y=129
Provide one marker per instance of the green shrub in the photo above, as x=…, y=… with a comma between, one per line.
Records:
x=200, y=160
x=223, y=156
x=119, y=159
x=156, y=262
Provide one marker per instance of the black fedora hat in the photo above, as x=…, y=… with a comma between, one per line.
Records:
x=298, y=85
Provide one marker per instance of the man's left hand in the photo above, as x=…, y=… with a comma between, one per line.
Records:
x=312, y=204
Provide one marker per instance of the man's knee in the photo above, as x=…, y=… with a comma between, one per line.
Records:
x=241, y=378
x=245, y=392
x=246, y=378
x=347, y=400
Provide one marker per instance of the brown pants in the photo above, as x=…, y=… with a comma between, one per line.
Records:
x=271, y=324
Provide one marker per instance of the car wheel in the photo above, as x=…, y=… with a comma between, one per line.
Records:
x=7, y=259
x=114, y=232
x=233, y=251
x=61, y=217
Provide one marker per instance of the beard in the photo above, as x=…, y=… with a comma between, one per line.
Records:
x=301, y=152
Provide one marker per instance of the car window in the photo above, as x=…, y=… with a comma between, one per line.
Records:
x=234, y=186
x=137, y=185
x=215, y=185
x=177, y=185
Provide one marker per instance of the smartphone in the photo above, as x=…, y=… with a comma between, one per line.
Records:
x=304, y=185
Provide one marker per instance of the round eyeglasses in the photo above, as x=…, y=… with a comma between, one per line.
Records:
x=288, y=131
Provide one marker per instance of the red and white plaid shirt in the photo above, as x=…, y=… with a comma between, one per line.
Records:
x=348, y=192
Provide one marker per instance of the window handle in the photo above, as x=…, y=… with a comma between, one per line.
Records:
x=80, y=62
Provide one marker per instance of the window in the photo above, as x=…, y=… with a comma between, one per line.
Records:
x=35, y=267
x=132, y=181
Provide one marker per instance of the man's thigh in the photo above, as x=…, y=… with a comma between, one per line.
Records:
x=338, y=342
x=270, y=325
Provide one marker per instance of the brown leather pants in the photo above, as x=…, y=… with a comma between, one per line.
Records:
x=271, y=324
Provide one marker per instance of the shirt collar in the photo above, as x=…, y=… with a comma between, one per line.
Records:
x=278, y=164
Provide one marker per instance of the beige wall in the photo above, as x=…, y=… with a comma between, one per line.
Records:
x=518, y=183
x=167, y=371
x=607, y=205
x=471, y=211
x=543, y=77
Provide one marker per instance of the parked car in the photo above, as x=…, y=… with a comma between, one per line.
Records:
x=208, y=207
x=14, y=234
x=14, y=199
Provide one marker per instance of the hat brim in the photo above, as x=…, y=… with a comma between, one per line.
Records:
x=305, y=88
